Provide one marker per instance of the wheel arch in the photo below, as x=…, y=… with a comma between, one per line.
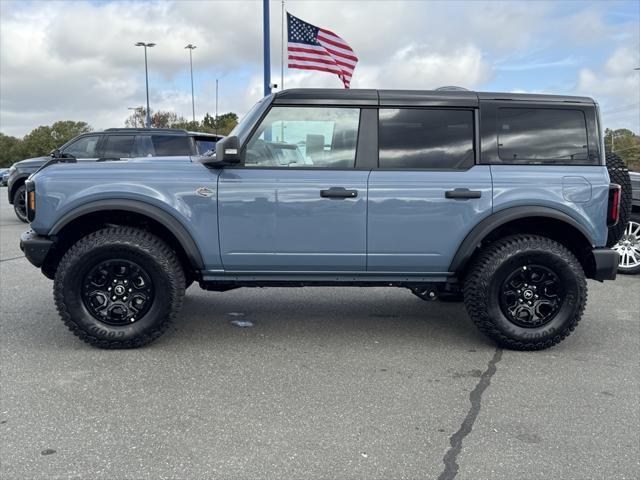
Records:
x=94, y=215
x=538, y=220
x=15, y=185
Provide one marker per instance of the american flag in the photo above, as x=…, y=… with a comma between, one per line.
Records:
x=313, y=48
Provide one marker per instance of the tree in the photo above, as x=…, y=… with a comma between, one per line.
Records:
x=10, y=150
x=43, y=139
x=166, y=119
x=626, y=144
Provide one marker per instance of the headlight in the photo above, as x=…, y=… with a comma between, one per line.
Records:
x=12, y=169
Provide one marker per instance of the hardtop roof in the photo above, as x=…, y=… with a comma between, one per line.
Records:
x=335, y=96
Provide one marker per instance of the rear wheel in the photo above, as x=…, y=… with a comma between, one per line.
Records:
x=20, y=203
x=629, y=247
x=119, y=287
x=525, y=292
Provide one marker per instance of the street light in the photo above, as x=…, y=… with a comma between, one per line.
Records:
x=146, y=76
x=191, y=48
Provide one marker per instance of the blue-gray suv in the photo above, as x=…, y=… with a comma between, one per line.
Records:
x=502, y=199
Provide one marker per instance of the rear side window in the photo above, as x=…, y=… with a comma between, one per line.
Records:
x=119, y=146
x=542, y=135
x=171, y=145
x=426, y=138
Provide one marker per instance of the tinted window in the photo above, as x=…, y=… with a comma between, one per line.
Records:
x=119, y=146
x=544, y=135
x=426, y=138
x=320, y=137
x=84, y=147
x=171, y=145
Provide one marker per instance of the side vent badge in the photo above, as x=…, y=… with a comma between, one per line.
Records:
x=205, y=192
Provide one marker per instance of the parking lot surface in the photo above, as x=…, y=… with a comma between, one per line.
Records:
x=327, y=383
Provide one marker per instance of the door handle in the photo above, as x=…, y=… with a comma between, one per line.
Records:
x=462, y=194
x=338, y=192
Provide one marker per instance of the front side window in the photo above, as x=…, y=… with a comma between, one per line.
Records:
x=84, y=147
x=119, y=146
x=542, y=135
x=421, y=138
x=320, y=137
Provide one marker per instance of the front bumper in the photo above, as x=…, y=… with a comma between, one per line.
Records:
x=606, y=264
x=35, y=247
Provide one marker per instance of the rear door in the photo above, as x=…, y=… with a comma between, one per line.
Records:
x=428, y=191
x=298, y=203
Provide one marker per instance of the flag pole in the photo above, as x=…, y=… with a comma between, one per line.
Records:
x=282, y=47
x=265, y=41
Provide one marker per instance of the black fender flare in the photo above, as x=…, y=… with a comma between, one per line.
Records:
x=497, y=219
x=140, y=207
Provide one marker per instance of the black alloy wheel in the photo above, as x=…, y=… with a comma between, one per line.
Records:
x=531, y=296
x=117, y=292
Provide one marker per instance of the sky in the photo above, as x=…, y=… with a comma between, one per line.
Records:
x=77, y=60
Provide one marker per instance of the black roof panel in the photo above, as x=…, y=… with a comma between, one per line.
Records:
x=326, y=96
x=533, y=97
x=431, y=98
x=339, y=96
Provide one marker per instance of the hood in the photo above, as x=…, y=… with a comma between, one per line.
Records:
x=32, y=162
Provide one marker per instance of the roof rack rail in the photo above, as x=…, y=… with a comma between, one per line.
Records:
x=451, y=88
x=143, y=129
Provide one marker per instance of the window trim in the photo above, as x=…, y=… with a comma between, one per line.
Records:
x=547, y=161
x=475, y=140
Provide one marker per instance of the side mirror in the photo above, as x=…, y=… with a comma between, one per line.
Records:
x=55, y=153
x=228, y=151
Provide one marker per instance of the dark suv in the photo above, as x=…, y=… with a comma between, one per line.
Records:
x=110, y=144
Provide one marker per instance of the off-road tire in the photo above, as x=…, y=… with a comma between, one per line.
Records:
x=20, y=203
x=152, y=254
x=491, y=267
x=619, y=173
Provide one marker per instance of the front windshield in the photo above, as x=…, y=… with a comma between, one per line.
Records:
x=241, y=130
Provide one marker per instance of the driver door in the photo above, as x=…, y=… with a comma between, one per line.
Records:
x=297, y=203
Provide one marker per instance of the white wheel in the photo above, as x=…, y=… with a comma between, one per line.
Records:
x=629, y=247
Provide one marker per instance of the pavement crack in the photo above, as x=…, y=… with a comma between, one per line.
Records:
x=12, y=258
x=475, y=397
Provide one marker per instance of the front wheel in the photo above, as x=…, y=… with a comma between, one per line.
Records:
x=119, y=287
x=629, y=247
x=20, y=203
x=525, y=292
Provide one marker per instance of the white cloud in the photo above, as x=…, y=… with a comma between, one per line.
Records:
x=616, y=86
x=76, y=60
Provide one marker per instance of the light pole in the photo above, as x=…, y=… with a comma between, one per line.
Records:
x=146, y=76
x=192, y=47
x=216, y=106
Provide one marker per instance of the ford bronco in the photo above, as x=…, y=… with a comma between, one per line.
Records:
x=504, y=199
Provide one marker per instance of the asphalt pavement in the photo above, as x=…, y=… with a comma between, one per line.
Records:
x=332, y=383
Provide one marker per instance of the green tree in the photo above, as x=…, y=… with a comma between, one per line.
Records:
x=10, y=150
x=43, y=139
x=624, y=143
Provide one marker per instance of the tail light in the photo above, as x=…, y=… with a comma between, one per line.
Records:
x=613, y=209
x=30, y=199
